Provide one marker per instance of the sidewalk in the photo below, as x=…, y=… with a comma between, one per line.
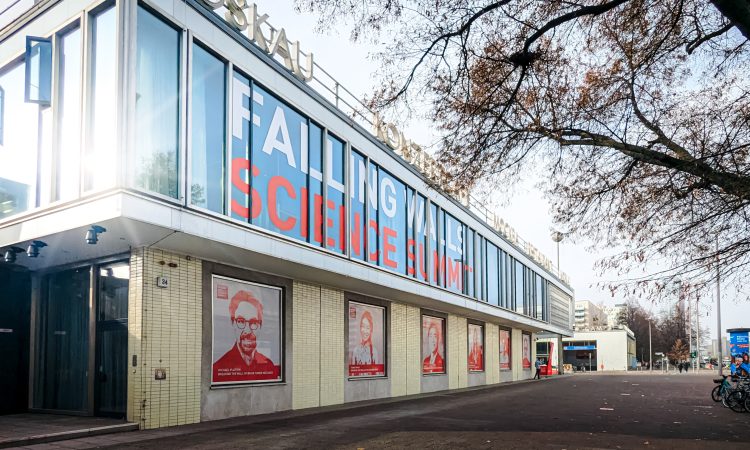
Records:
x=26, y=429
x=147, y=435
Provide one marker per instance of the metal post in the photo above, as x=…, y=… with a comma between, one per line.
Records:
x=650, y=362
x=698, y=333
x=718, y=310
x=589, y=361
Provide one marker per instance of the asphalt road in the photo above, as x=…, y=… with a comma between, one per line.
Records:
x=579, y=411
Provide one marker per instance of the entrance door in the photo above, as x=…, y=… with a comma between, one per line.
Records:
x=62, y=350
x=110, y=384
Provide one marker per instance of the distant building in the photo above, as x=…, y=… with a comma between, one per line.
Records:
x=605, y=350
x=588, y=316
x=612, y=314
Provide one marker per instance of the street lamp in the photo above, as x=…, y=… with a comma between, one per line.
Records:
x=557, y=237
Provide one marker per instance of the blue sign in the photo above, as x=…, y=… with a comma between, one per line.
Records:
x=739, y=342
x=580, y=347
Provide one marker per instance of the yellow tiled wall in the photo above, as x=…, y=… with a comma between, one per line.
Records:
x=405, y=347
x=458, y=347
x=165, y=332
x=413, y=350
x=492, y=354
x=317, y=346
x=517, y=354
x=398, y=349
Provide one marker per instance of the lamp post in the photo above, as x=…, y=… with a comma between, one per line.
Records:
x=718, y=309
x=557, y=237
x=650, y=362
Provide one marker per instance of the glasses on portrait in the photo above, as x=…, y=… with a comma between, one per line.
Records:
x=241, y=324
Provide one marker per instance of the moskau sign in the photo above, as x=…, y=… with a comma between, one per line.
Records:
x=245, y=17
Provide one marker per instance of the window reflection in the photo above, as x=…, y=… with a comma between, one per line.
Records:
x=18, y=151
x=157, y=106
x=69, y=145
x=207, y=126
x=100, y=158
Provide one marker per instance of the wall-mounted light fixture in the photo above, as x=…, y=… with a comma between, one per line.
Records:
x=10, y=254
x=92, y=236
x=33, y=249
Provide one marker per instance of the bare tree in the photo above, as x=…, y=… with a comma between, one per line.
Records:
x=636, y=111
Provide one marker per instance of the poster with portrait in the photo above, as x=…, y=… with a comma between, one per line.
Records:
x=504, y=349
x=526, y=339
x=366, y=340
x=433, y=345
x=476, y=348
x=247, y=327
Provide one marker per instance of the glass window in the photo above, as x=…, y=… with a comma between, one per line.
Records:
x=372, y=211
x=157, y=106
x=2, y=113
x=469, y=262
x=519, y=288
x=208, y=126
x=38, y=70
x=358, y=179
x=538, y=293
x=491, y=257
x=454, y=253
x=240, y=153
x=100, y=162
x=392, y=222
x=315, y=186
x=69, y=145
x=19, y=150
x=278, y=136
x=336, y=211
x=435, y=273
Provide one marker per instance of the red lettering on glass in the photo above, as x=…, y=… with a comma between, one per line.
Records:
x=303, y=213
x=422, y=269
x=373, y=256
x=238, y=166
x=356, y=240
x=410, y=256
x=454, y=273
x=274, y=184
x=388, y=247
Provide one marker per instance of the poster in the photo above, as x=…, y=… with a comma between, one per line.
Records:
x=504, y=349
x=526, y=351
x=433, y=345
x=247, y=325
x=476, y=348
x=366, y=340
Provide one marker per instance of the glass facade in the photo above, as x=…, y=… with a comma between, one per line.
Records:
x=157, y=106
x=250, y=156
x=207, y=126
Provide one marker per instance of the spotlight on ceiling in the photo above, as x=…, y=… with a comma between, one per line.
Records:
x=92, y=236
x=33, y=249
x=10, y=254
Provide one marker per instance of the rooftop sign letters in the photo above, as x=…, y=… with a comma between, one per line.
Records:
x=245, y=18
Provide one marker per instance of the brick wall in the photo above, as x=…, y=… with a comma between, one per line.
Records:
x=164, y=327
x=458, y=348
x=492, y=354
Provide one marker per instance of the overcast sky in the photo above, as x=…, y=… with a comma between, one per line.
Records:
x=526, y=210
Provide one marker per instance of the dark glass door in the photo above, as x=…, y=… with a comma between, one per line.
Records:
x=62, y=350
x=110, y=384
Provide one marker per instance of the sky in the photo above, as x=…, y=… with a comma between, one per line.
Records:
x=524, y=208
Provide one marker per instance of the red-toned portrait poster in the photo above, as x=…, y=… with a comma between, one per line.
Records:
x=526, y=339
x=366, y=340
x=504, y=349
x=247, y=326
x=476, y=348
x=433, y=345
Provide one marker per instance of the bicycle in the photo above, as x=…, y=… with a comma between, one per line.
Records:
x=718, y=392
x=735, y=398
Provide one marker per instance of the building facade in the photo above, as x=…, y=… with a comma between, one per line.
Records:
x=588, y=316
x=602, y=350
x=192, y=232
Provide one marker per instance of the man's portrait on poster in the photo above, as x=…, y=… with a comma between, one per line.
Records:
x=246, y=333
